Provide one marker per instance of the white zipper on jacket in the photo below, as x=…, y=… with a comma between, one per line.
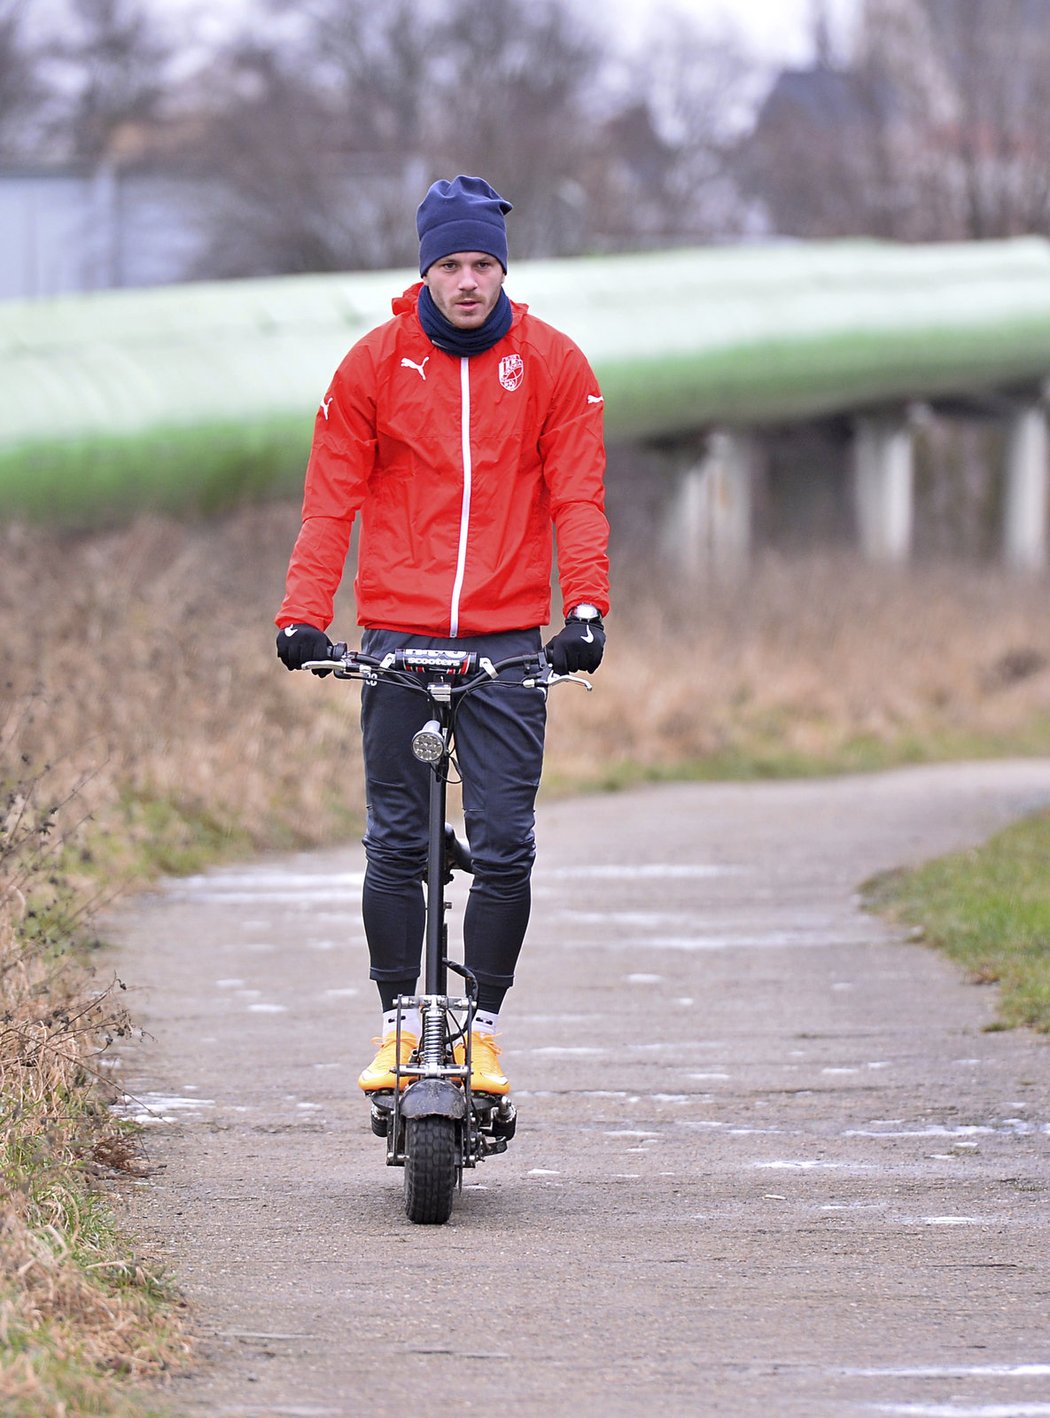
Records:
x=464, y=516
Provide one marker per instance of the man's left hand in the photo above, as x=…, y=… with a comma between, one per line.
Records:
x=578, y=647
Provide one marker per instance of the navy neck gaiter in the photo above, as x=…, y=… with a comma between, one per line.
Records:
x=452, y=339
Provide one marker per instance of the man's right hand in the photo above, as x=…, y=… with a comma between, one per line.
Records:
x=296, y=644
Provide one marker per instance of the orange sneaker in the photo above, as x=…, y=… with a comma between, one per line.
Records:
x=486, y=1076
x=379, y=1077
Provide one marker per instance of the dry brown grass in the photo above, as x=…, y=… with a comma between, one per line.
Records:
x=75, y=1307
x=148, y=656
x=145, y=658
x=814, y=665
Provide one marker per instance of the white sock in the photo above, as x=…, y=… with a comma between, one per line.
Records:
x=410, y=1022
x=485, y=1022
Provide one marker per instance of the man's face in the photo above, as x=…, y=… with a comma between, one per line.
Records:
x=465, y=287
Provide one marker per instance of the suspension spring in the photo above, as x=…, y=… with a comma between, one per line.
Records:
x=432, y=1048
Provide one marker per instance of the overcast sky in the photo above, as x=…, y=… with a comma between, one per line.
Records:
x=776, y=30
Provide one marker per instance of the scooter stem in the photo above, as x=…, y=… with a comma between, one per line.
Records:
x=435, y=972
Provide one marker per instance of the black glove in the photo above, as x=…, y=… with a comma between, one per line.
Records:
x=298, y=643
x=578, y=647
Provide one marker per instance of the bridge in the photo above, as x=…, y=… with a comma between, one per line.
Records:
x=190, y=398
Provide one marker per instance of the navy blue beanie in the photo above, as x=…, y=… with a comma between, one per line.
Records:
x=465, y=214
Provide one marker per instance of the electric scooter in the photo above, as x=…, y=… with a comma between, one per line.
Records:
x=435, y=1124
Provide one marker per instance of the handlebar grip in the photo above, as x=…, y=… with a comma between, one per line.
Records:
x=337, y=651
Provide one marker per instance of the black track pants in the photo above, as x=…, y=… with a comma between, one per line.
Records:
x=499, y=749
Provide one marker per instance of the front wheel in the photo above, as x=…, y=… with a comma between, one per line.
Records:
x=432, y=1161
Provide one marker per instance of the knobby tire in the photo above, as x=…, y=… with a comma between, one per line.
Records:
x=432, y=1157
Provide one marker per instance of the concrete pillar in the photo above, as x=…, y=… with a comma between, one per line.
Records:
x=685, y=535
x=1025, y=500
x=709, y=522
x=883, y=478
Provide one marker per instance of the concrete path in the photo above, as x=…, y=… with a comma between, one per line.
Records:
x=768, y=1162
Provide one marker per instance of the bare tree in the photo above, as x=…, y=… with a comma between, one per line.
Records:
x=274, y=174
x=326, y=131
x=114, y=64
x=516, y=90
x=313, y=138
x=324, y=147
x=670, y=145
x=376, y=64
x=996, y=134
x=498, y=89
x=23, y=90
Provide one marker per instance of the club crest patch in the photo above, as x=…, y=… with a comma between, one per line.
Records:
x=511, y=371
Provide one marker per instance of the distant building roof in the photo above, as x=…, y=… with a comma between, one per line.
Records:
x=820, y=96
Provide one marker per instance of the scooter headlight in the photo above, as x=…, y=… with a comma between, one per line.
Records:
x=428, y=744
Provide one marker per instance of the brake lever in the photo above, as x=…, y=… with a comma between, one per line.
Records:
x=550, y=679
x=586, y=684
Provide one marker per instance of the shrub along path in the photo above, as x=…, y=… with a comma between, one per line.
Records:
x=770, y=1158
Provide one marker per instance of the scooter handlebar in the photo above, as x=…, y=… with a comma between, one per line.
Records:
x=353, y=664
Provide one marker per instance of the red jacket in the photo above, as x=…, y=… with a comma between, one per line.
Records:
x=460, y=468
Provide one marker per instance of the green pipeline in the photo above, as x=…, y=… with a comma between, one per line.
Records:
x=192, y=399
